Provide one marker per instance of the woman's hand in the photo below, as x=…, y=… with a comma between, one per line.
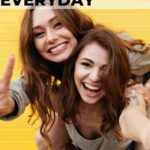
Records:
x=130, y=117
x=133, y=121
x=7, y=104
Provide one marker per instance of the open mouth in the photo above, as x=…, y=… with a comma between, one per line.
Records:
x=92, y=91
x=91, y=88
x=58, y=49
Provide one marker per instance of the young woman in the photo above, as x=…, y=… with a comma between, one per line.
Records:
x=47, y=38
x=45, y=42
x=92, y=91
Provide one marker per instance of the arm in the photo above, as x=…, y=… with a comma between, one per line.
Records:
x=13, y=98
x=140, y=63
x=133, y=121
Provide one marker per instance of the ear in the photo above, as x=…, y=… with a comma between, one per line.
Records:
x=147, y=90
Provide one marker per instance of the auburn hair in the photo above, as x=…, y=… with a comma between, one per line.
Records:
x=113, y=80
x=37, y=71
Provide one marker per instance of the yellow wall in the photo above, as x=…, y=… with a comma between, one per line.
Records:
x=18, y=134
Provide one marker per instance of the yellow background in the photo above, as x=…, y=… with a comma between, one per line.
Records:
x=18, y=134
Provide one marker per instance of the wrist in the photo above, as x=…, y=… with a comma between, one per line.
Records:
x=7, y=107
x=11, y=105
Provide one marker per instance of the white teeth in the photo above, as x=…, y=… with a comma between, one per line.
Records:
x=59, y=47
x=91, y=87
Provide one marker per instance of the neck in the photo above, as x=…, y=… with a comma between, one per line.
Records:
x=88, y=119
x=90, y=107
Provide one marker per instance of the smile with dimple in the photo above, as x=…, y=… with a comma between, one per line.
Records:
x=58, y=49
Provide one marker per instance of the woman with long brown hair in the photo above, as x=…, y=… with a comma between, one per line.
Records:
x=93, y=91
x=47, y=39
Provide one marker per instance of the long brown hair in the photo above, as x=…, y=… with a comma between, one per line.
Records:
x=37, y=70
x=113, y=80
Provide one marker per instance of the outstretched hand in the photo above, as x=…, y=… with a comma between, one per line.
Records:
x=6, y=102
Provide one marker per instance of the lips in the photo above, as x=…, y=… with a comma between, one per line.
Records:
x=58, y=48
x=91, y=90
x=91, y=87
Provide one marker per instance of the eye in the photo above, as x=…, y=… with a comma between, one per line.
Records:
x=38, y=34
x=85, y=64
x=57, y=25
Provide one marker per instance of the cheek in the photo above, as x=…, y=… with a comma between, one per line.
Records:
x=79, y=75
x=70, y=36
x=39, y=45
x=74, y=41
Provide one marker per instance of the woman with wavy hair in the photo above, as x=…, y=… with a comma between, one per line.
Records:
x=47, y=38
x=92, y=94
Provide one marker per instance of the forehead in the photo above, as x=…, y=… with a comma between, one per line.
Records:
x=42, y=15
x=94, y=51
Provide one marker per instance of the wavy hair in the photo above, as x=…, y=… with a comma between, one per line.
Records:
x=37, y=71
x=114, y=81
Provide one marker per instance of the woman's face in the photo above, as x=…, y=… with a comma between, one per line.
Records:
x=90, y=65
x=53, y=41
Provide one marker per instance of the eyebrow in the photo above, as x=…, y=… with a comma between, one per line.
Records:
x=87, y=59
x=39, y=26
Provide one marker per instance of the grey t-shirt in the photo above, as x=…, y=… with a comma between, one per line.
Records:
x=140, y=63
x=96, y=144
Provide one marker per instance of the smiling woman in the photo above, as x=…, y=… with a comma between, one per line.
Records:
x=89, y=104
x=52, y=39
x=43, y=41
x=89, y=68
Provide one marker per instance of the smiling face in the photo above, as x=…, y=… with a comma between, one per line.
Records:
x=90, y=65
x=53, y=41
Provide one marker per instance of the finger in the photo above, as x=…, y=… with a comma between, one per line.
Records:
x=137, y=86
x=8, y=70
x=134, y=91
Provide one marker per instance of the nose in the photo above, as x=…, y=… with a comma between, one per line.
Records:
x=51, y=36
x=95, y=75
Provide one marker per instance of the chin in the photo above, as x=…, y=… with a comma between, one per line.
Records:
x=62, y=59
x=91, y=101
